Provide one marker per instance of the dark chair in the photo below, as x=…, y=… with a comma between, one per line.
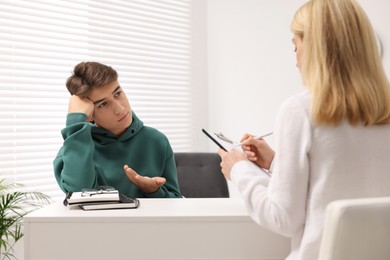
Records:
x=200, y=175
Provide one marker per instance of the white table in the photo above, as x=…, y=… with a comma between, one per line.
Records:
x=160, y=229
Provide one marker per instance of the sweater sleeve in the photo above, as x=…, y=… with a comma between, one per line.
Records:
x=279, y=203
x=73, y=166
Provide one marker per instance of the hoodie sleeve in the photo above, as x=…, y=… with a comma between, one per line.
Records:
x=73, y=166
x=171, y=188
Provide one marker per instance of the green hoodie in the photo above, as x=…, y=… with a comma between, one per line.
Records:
x=92, y=156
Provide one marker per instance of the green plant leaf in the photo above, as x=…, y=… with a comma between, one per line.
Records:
x=14, y=205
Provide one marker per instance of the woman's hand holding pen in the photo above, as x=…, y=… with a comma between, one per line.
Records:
x=257, y=151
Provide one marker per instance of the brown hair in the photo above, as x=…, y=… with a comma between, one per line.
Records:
x=89, y=75
x=341, y=64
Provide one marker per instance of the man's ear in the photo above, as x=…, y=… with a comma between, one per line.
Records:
x=90, y=119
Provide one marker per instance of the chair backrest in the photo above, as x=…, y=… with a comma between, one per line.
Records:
x=357, y=229
x=200, y=175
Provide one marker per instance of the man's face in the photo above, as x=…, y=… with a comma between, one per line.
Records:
x=112, y=109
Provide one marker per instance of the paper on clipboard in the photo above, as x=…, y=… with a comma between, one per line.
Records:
x=222, y=141
x=226, y=144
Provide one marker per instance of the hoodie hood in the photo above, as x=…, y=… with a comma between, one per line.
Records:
x=102, y=136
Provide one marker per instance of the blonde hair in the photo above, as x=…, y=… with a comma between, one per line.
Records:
x=341, y=64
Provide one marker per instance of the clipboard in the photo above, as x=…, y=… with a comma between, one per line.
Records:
x=222, y=141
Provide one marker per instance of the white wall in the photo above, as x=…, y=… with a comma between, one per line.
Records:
x=200, y=99
x=251, y=62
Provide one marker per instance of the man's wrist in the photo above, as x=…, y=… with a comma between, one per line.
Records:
x=75, y=117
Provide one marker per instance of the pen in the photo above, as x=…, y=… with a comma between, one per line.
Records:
x=257, y=137
x=262, y=136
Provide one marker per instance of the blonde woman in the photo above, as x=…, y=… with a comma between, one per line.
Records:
x=332, y=141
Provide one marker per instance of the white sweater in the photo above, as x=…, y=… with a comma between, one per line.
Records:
x=312, y=167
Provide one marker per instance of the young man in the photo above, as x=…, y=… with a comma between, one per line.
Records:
x=105, y=143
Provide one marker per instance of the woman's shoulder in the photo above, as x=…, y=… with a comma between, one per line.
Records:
x=299, y=101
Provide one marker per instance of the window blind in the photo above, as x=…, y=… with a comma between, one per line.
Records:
x=146, y=41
